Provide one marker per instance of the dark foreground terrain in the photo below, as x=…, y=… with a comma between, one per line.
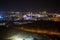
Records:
x=13, y=33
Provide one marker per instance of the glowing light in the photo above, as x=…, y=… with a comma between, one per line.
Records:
x=20, y=37
x=17, y=12
x=29, y=14
x=1, y=14
x=24, y=16
x=27, y=17
x=16, y=38
x=1, y=17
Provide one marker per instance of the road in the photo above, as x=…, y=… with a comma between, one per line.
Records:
x=41, y=27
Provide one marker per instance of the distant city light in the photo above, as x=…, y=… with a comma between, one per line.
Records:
x=44, y=15
x=12, y=12
x=17, y=12
x=25, y=17
x=1, y=17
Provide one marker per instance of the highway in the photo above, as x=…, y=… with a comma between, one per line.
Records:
x=41, y=27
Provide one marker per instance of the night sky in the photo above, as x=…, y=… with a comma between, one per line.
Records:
x=30, y=5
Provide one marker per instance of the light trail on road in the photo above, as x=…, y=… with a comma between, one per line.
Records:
x=49, y=32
